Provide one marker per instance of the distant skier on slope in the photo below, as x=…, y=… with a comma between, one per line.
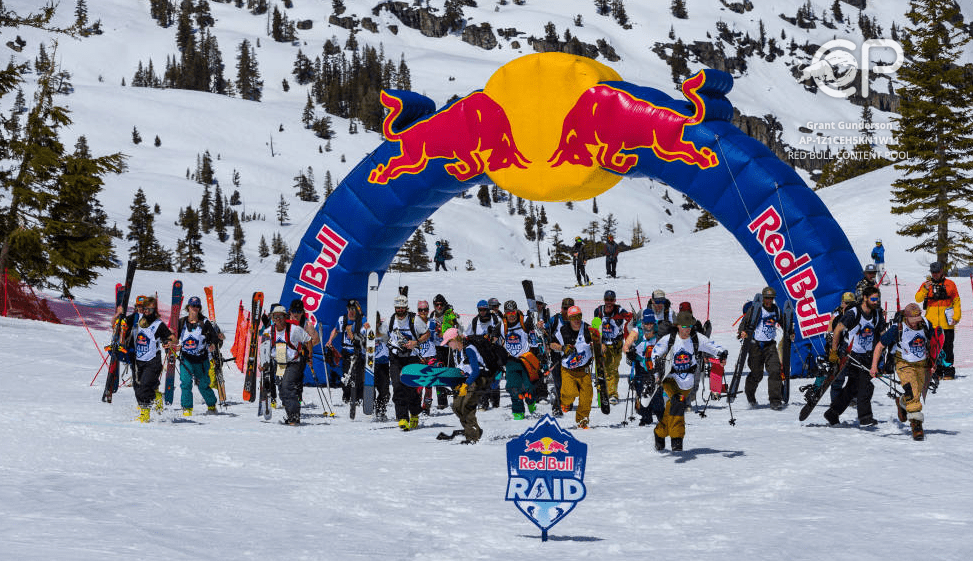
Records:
x=579, y=258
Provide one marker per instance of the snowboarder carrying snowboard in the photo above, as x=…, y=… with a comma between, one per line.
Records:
x=675, y=359
x=910, y=340
x=762, y=353
x=468, y=359
x=406, y=331
x=197, y=338
x=637, y=349
x=148, y=335
x=863, y=323
x=573, y=340
x=283, y=341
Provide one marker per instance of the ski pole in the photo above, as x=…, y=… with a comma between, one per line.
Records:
x=317, y=385
x=708, y=287
x=85, y=324
x=898, y=304
x=639, y=296
x=629, y=396
x=702, y=414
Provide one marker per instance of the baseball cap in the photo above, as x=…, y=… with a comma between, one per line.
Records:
x=494, y=302
x=658, y=294
x=194, y=301
x=848, y=297
x=574, y=311
x=278, y=309
x=871, y=268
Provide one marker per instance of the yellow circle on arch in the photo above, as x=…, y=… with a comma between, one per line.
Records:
x=536, y=92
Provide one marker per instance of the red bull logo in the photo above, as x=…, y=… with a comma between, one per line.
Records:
x=547, y=446
x=595, y=123
x=474, y=130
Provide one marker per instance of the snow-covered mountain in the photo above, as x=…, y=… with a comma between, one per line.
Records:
x=266, y=143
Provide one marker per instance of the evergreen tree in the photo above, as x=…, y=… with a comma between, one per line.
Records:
x=328, y=184
x=282, y=207
x=307, y=117
x=282, y=262
x=236, y=261
x=936, y=131
x=428, y=228
x=413, y=256
x=618, y=12
x=594, y=205
x=157, y=142
x=147, y=251
x=521, y=208
x=248, y=82
x=609, y=226
x=603, y=7
x=305, y=187
x=205, y=175
x=678, y=9
x=484, y=196
x=189, y=250
x=53, y=230
x=238, y=237
x=219, y=214
x=136, y=137
x=836, y=11
x=80, y=14
x=206, y=210
x=262, y=248
x=561, y=254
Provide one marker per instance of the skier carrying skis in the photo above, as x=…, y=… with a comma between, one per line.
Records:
x=613, y=331
x=868, y=279
x=878, y=256
x=638, y=349
x=284, y=339
x=427, y=355
x=516, y=341
x=197, y=338
x=611, y=257
x=406, y=332
x=910, y=339
x=351, y=326
x=468, y=359
x=580, y=259
x=863, y=323
x=551, y=328
x=487, y=324
x=762, y=353
x=540, y=342
x=149, y=335
x=573, y=340
x=674, y=357
x=664, y=316
x=382, y=381
x=940, y=299
x=299, y=317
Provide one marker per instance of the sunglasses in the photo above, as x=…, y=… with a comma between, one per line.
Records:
x=659, y=302
x=609, y=300
x=150, y=310
x=574, y=317
x=685, y=327
x=873, y=299
x=422, y=309
x=438, y=304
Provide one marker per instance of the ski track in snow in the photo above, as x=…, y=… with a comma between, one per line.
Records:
x=82, y=479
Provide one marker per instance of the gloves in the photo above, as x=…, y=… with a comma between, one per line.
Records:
x=461, y=389
x=631, y=355
x=567, y=350
x=833, y=355
x=723, y=354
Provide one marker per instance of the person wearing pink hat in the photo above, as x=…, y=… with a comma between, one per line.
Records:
x=573, y=340
x=468, y=359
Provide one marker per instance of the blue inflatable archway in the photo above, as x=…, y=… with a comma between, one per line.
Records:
x=608, y=129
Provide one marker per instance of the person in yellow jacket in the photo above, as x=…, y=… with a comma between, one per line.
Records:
x=940, y=299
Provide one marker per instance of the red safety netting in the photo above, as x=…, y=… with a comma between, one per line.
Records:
x=20, y=301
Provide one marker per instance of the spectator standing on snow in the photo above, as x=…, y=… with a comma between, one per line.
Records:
x=611, y=256
x=878, y=257
x=940, y=299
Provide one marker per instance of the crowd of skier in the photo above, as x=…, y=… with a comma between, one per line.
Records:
x=558, y=357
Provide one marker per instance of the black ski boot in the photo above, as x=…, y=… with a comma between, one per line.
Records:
x=676, y=444
x=660, y=443
x=831, y=417
x=917, y=433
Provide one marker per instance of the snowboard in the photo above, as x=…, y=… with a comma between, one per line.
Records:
x=216, y=357
x=250, y=376
x=600, y=381
x=785, y=350
x=749, y=324
x=715, y=376
x=371, y=310
x=814, y=392
x=424, y=376
x=176, y=304
x=935, y=356
x=353, y=380
x=122, y=295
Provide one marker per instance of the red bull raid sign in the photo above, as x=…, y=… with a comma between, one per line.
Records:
x=545, y=473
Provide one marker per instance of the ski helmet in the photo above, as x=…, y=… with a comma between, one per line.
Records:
x=768, y=292
x=482, y=305
x=297, y=306
x=871, y=268
x=194, y=302
x=878, y=242
x=609, y=295
x=648, y=316
x=494, y=303
x=400, y=301
x=509, y=306
x=439, y=299
x=574, y=311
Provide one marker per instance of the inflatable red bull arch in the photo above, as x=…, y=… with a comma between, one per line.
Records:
x=558, y=127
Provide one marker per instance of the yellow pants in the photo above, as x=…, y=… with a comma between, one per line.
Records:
x=673, y=425
x=913, y=376
x=576, y=384
x=613, y=356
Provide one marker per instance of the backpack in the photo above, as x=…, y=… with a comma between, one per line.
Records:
x=494, y=356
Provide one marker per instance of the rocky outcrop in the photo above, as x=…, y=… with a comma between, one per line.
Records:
x=480, y=36
x=420, y=19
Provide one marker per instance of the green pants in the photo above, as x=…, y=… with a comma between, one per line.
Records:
x=200, y=372
x=518, y=386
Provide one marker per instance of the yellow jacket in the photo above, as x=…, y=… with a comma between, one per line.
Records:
x=936, y=309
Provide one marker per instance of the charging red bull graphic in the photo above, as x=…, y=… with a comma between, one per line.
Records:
x=545, y=473
x=474, y=130
x=611, y=120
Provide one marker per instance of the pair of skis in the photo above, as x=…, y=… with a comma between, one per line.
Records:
x=175, y=305
x=541, y=335
x=216, y=357
x=123, y=293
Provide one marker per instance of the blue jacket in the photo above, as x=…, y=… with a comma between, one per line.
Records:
x=878, y=254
